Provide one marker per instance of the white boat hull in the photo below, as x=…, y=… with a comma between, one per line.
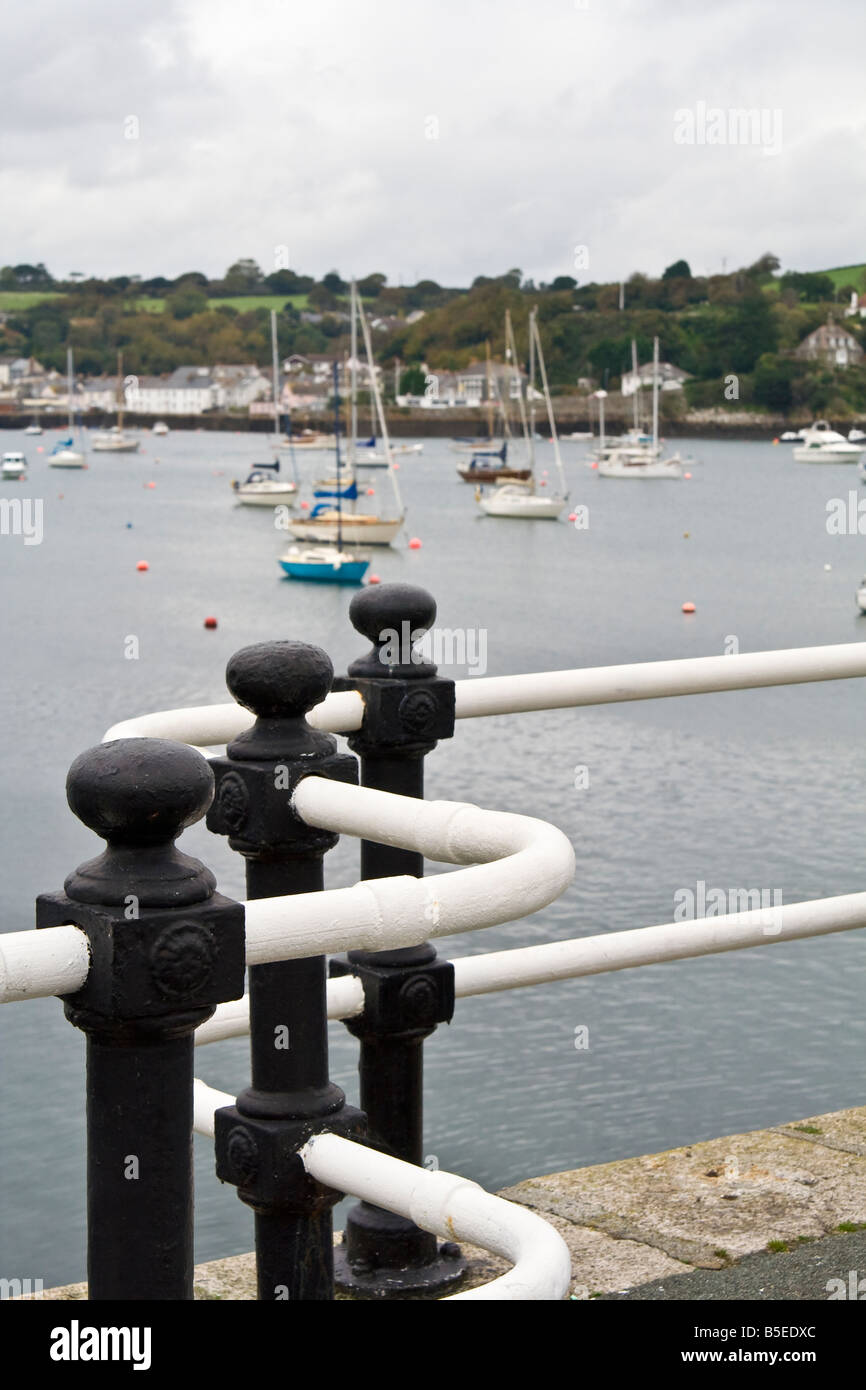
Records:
x=522, y=505
x=828, y=453
x=625, y=467
x=254, y=495
x=68, y=458
x=354, y=530
x=13, y=474
x=861, y=598
x=115, y=446
x=309, y=445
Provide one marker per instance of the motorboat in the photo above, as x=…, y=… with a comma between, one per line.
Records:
x=854, y=435
x=14, y=467
x=821, y=444
x=33, y=429
x=160, y=427
x=861, y=595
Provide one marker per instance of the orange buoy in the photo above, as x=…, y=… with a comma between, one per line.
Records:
x=414, y=543
x=39, y=448
x=142, y=565
x=775, y=441
x=688, y=608
x=374, y=579
x=396, y=465
x=371, y=492
x=305, y=506
x=687, y=475
x=210, y=622
x=572, y=516
x=593, y=465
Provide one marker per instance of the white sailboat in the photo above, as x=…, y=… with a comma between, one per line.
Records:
x=114, y=441
x=263, y=487
x=356, y=528
x=64, y=454
x=637, y=457
x=521, y=499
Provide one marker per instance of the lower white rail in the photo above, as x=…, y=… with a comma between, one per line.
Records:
x=596, y=955
x=452, y=1207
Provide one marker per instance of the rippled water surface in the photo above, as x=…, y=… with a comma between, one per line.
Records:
x=753, y=789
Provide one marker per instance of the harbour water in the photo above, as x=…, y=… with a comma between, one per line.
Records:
x=754, y=790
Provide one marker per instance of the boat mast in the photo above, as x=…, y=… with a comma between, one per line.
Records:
x=119, y=393
x=535, y=337
x=531, y=389
x=489, y=392
x=374, y=387
x=636, y=385
x=353, y=376
x=275, y=376
x=69, y=387
x=337, y=446
x=511, y=350
x=655, y=396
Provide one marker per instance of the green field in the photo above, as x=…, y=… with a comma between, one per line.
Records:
x=242, y=302
x=846, y=275
x=24, y=299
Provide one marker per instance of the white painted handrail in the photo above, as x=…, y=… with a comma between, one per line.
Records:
x=36, y=964
x=652, y=680
x=342, y=711
x=519, y=865
x=623, y=950
x=207, y=726
x=597, y=955
x=345, y=1000
x=452, y=1207
x=456, y=1209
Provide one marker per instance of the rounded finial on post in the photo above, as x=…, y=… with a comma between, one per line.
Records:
x=394, y=617
x=138, y=794
x=280, y=682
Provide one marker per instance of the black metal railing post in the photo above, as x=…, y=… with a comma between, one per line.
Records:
x=165, y=949
x=291, y=1097
x=407, y=992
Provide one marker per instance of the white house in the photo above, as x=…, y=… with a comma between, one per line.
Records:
x=670, y=378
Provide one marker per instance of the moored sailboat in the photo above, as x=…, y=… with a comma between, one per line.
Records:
x=358, y=528
x=523, y=500
x=263, y=485
x=320, y=562
x=114, y=441
x=64, y=454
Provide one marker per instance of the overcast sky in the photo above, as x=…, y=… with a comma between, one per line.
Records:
x=438, y=140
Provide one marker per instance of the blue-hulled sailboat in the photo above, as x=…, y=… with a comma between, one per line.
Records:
x=329, y=564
